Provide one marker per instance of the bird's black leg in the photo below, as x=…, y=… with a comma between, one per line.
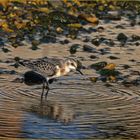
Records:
x=43, y=87
x=47, y=87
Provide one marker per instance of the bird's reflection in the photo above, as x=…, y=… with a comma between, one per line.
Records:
x=53, y=110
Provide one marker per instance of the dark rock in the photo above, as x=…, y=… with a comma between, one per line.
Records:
x=8, y=72
x=134, y=72
x=133, y=23
x=127, y=83
x=88, y=48
x=135, y=38
x=104, y=51
x=66, y=41
x=34, y=47
x=132, y=60
x=1, y=42
x=95, y=42
x=110, y=17
x=93, y=57
x=119, y=27
x=137, y=43
x=17, y=59
x=87, y=39
x=35, y=42
x=136, y=82
x=126, y=66
x=5, y=50
x=73, y=48
x=122, y=38
x=113, y=57
x=16, y=64
x=100, y=29
x=107, y=72
x=98, y=66
x=103, y=79
x=48, y=39
x=91, y=29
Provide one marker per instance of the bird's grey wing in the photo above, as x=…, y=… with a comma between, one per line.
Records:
x=54, y=61
x=43, y=67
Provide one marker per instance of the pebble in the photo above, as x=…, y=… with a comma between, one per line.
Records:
x=88, y=48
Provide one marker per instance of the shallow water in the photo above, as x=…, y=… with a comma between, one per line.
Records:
x=75, y=109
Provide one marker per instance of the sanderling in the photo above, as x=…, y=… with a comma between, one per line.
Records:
x=51, y=68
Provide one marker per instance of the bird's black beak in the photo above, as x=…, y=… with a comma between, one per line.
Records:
x=79, y=71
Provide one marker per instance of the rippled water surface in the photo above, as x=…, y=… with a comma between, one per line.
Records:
x=75, y=109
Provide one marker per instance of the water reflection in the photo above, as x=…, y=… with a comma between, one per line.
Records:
x=53, y=110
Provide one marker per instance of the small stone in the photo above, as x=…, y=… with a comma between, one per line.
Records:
x=88, y=48
x=135, y=38
x=73, y=48
x=87, y=39
x=122, y=38
x=48, y=39
x=5, y=50
x=99, y=65
x=126, y=66
x=34, y=48
x=66, y=41
x=113, y=57
x=119, y=27
x=95, y=42
x=137, y=43
x=100, y=29
x=93, y=79
x=93, y=57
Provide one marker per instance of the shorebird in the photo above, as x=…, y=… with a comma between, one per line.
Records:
x=50, y=68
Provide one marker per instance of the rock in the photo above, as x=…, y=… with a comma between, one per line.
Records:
x=113, y=57
x=132, y=60
x=1, y=42
x=95, y=42
x=93, y=79
x=17, y=59
x=88, y=48
x=98, y=66
x=127, y=83
x=16, y=64
x=93, y=57
x=92, y=29
x=134, y=72
x=35, y=42
x=126, y=66
x=133, y=23
x=107, y=72
x=104, y=51
x=122, y=38
x=73, y=48
x=86, y=39
x=34, y=47
x=135, y=38
x=100, y=29
x=8, y=72
x=119, y=27
x=5, y=50
x=66, y=41
x=137, y=43
x=48, y=39
x=109, y=17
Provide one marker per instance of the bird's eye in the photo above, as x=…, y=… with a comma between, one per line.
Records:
x=72, y=64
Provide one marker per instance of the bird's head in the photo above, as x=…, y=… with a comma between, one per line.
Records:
x=73, y=64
